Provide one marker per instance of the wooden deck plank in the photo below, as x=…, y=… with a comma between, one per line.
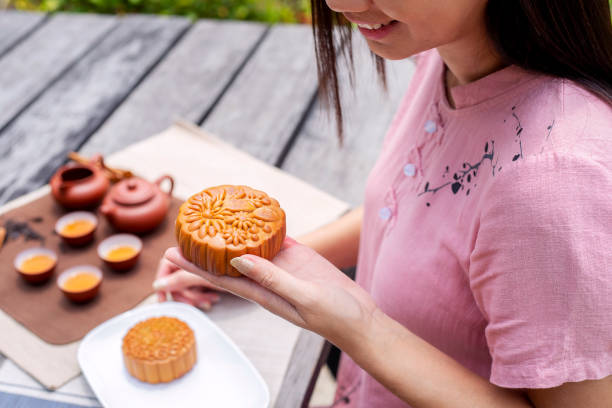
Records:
x=35, y=144
x=316, y=156
x=43, y=56
x=8, y=400
x=309, y=355
x=186, y=84
x=15, y=26
x=270, y=96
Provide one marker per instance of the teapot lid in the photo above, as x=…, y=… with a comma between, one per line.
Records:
x=133, y=191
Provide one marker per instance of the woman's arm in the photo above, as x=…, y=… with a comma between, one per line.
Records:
x=309, y=291
x=338, y=241
x=419, y=373
x=425, y=377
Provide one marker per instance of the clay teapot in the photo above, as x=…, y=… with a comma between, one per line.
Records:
x=136, y=205
x=80, y=185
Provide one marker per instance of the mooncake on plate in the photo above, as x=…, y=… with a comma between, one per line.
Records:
x=159, y=349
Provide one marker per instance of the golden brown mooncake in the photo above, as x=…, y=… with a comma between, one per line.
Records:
x=223, y=222
x=159, y=349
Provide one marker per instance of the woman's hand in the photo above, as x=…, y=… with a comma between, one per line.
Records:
x=298, y=285
x=183, y=286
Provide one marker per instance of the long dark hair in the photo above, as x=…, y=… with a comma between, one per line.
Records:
x=567, y=39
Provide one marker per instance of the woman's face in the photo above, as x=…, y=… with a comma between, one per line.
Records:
x=408, y=27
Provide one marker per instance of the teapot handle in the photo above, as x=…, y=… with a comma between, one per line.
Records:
x=166, y=177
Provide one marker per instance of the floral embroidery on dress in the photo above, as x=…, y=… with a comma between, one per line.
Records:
x=462, y=178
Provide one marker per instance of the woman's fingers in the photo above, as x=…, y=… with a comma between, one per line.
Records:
x=245, y=288
x=165, y=268
x=201, y=300
x=174, y=256
x=201, y=297
x=180, y=297
x=178, y=280
x=171, y=277
x=183, y=286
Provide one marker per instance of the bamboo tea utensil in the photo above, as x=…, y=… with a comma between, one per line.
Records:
x=114, y=175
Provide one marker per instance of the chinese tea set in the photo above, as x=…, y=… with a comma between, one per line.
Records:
x=131, y=205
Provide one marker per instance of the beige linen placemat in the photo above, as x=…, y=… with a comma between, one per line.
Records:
x=197, y=160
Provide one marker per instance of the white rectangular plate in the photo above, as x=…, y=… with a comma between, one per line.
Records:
x=222, y=377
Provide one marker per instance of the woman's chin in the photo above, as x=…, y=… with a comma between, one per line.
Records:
x=389, y=52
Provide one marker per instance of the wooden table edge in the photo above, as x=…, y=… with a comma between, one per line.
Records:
x=308, y=356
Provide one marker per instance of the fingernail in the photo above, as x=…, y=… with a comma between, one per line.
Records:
x=160, y=284
x=204, y=306
x=244, y=265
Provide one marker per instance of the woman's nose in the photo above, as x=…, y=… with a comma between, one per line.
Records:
x=349, y=6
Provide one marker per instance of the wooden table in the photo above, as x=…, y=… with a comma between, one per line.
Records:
x=94, y=83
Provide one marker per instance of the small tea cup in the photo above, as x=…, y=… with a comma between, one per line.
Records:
x=38, y=275
x=88, y=289
x=120, y=251
x=76, y=238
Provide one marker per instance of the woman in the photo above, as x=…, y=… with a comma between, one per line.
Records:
x=482, y=248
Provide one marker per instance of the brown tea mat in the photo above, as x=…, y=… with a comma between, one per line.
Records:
x=43, y=309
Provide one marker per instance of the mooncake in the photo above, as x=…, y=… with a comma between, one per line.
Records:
x=223, y=222
x=159, y=349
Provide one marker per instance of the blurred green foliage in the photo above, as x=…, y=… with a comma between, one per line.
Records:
x=288, y=11
x=259, y=10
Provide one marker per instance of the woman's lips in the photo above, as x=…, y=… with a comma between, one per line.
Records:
x=376, y=31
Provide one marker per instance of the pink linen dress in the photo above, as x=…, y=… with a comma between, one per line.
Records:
x=488, y=230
